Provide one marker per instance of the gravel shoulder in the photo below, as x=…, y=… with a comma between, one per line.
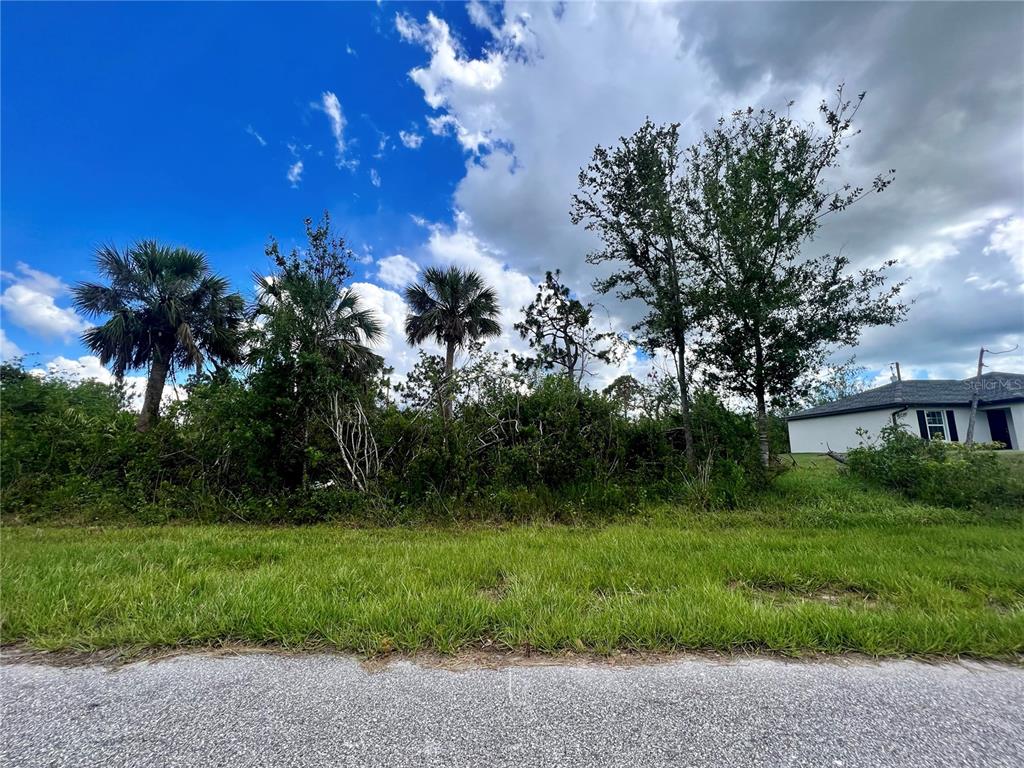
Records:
x=320, y=710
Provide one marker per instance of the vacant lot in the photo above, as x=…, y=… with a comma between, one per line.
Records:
x=818, y=564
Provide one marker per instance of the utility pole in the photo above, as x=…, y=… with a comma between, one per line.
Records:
x=974, y=399
x=977, y=390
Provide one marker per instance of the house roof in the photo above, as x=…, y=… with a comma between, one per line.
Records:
x=996, y=387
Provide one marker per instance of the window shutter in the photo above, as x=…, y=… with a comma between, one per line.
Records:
x=922, y=425
x=951, y=421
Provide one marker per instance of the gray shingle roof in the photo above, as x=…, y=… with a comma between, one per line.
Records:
x=996, y=387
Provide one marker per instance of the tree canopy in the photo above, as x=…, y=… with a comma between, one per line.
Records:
x=453, y=307
x=165, y=309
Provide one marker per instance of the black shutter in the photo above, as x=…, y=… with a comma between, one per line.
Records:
x=922, y=425
x=951, y=421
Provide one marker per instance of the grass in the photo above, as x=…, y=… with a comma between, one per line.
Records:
x=819, y=564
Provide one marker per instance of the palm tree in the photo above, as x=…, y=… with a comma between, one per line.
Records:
x=310, y=348
x=453, y=307
x=300, y=314
x=166, y=310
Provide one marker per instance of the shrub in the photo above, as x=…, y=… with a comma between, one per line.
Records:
x=937, y=472
x=544, y=449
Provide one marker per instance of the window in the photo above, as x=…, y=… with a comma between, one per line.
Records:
x=936, y=422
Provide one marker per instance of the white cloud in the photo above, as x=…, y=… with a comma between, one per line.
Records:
x=391, y=310
x=255, y=134
x=974, y=224
x=30, y=303
x=481, y=17
x=519, y=108
x=917, y=257
x=1008, y=239
x=374, y=177
x=982, y=284
x=295, y=173
x=350, y=50
x=452, y=80
x=366, y=256
x=520, y=104
x=86, y=367
x=411, y=139
x=35, y=279
x=331, y=106
x=397, y=271
x=89, y=368
x=8, y=349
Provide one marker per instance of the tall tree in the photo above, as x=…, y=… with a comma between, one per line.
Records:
x=559, y=330
x=166, y=310
x=630, y=195
x=305, y=314
x=453, y=307
x=310, y=345
x=756, y=190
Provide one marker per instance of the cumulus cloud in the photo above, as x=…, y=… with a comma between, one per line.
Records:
x=8, y=349
x=331, y=106
x=89, y=368
x=947, y=118
x=397, y=271
x=451, y=76
x=391, y=309
x=374, y=177
x=411, y=139
x=29, y=301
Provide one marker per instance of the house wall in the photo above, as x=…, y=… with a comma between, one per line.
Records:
x=963, y=418
x=839, y=432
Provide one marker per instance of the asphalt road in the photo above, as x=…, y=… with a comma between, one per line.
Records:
x=267, y=710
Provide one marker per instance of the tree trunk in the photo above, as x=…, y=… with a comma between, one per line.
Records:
x=762, y=428
x=759, y=396
x=449, y=389
x=154, y=389
x=684, y=396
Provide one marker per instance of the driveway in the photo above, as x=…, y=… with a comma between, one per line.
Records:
x=322, y=710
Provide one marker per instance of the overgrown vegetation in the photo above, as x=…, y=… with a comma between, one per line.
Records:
x=238, y=449
x=291, y=416
x=939, y=472
x=819, y=562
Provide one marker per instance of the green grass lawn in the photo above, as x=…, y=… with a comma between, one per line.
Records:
x=819, y=564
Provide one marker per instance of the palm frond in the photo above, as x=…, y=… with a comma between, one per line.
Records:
x=452, y=306
x=158, y=295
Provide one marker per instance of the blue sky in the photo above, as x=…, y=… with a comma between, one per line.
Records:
x=181, y=122
x=124, y=121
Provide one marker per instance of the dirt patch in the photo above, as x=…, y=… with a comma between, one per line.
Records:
x=498, y=590
x=827, y=594
x=1004, y=605
x=485, y=656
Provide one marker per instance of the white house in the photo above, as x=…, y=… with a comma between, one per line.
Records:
x=933, y=409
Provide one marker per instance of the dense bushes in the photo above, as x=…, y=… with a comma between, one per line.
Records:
x=540, y=448
x=517, y=449
x=937, y=472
